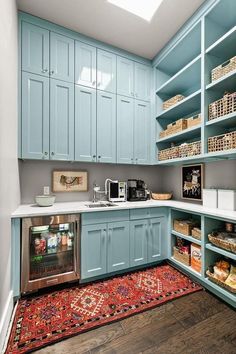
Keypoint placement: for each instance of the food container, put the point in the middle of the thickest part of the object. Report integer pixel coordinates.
(184, 226)
(45, 200)
(196, 257)
(210, 198)
(229, 227)
(181, 257)
(227, 199)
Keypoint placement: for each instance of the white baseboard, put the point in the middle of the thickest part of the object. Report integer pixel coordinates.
(5, 320)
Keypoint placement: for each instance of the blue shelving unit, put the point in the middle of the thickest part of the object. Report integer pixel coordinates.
(184, 67)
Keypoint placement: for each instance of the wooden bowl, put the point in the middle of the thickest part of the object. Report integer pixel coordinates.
(162, 196)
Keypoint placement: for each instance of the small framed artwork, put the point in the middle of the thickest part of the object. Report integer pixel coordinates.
(70, 181)
(192, 182)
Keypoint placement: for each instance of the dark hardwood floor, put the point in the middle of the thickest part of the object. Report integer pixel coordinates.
(198, 323)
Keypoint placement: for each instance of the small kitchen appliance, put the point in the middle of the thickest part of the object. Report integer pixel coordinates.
(137, 190)
(117, 191)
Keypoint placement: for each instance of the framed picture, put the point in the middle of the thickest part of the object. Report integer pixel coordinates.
(192, 182)
(70, 181)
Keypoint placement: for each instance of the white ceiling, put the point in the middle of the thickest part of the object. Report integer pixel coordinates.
(108, 23)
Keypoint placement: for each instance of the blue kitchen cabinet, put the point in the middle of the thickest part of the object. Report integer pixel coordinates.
(118, 246)
(61, 57)
(106, 71)
(142, 76)
(35, 116)
(156, 232)
(106, 127)
(125, 130)
(85, 124)
(125, 77)
(61, 120)
(93, 250)
(35, 49)
(142, 132)
(138, 242)
(85, 64)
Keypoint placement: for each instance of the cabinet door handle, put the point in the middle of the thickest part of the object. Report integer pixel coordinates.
(52, 153)
(52, 72)
(99, 83)
(94, 83)
(104, 235)
(45, 153)
(109, 235)
(44, 70)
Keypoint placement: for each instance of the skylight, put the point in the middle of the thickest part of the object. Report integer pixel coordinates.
(142, 8)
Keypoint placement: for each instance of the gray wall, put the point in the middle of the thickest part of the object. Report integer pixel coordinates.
(9, 176)
(221, 174)
(36, 174)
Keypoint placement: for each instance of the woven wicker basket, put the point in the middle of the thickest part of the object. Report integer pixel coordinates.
(181, 257)
(219, 282)
(228, 246)
(223, 106)
(195, 120)
(172, 101)
(190, 149)
(222, 142)
(223, 69)
(161, 196)
(168, 154)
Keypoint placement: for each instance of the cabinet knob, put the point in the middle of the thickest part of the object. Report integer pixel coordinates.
(44, 70)
(94, 156)
(52, 72)
(52, 153)
(99, 156)
(94, 83)
(46, 153)
(99, 83)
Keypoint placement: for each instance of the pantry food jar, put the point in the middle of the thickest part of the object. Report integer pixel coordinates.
(196, 257)
(227, 199)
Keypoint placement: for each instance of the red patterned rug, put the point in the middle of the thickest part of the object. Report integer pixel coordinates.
(45, 319)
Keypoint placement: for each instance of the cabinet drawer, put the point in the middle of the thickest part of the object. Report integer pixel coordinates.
(104, 216)
(145, 213)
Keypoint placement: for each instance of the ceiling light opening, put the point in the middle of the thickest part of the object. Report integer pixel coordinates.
(141, 8)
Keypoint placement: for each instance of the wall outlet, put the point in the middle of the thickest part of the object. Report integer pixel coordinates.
(46, 190)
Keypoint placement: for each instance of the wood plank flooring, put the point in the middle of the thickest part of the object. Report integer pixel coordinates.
(198, 323)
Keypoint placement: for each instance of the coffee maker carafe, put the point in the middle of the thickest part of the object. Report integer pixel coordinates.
(137, 190)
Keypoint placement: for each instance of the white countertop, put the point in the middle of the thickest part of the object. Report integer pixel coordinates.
(29, 210)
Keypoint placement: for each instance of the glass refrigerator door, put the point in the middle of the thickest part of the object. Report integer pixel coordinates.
(51, 250)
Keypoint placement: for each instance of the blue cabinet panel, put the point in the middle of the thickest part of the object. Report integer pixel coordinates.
(106, 127)
(156, 233)
(125, 130)
(142, 77)
(106, 71)
(93, 250)
(61, 57)
(35, 116)
(142, 132)
(61, 120)
(85, 64)
(125, 77)
(138, 242)
(118, 246)
(85, 124)
(35, 49)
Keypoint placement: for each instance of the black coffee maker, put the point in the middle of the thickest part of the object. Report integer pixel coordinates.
(136, 190)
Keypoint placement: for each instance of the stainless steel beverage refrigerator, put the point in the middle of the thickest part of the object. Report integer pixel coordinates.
(50, 251)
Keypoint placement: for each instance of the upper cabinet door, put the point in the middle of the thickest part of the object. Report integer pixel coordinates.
(106, 127)
(61, 120)
(142, 132)
(35, 116)
(142, 82)
(61, 57)
(106, 71)
(125, 130)
(118, 246)
(85, 64)
(125, 77)
(35, 49)
(85, 124)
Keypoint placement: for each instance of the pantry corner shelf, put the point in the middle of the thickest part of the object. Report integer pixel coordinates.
(182, 160)
(227, 121)
(188, 238)
(187, 268)
(225, 253)
(221, 290)
(226, 82)
(224, 44)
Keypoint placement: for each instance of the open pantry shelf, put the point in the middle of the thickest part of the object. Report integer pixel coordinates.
(182, 160)
(187, 268)
(227, 83)
(187, 134)
(226, 154)
(227, 121)
(220, 289)
(188, 238)
(180, 81)
(224, 46)
(189, 104)
(225, 253)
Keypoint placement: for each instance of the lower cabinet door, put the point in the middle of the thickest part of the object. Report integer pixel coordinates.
(155, 234)
(138, 242)
(118, 246)
(93, 250)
